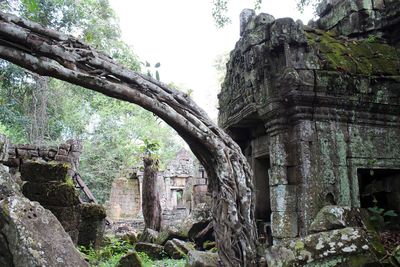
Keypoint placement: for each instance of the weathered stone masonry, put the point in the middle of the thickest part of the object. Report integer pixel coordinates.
(316, 109)
(47, 176)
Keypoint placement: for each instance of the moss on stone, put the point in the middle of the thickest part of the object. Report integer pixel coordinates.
(361, 57)
(93, 211)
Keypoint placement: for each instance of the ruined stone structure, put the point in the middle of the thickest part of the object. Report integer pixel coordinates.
(182, 186)
(47, 175)
(316, 110)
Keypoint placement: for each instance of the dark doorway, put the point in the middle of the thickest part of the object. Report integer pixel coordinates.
(263, 206)
(380, 187)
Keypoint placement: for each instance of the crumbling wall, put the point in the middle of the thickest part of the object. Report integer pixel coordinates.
(47, 175)
(316, 104)
(182, 186)
(125, 198)
(30, 235)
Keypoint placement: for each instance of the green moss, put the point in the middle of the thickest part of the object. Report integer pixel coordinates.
(93, 211)
(366, 57)
(358, 260)
(299, 245)
(69, 181)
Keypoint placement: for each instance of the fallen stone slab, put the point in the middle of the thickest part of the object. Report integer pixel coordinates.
(131, 259)
(32, 236)
(202, 259)
(154, 251)
(349, 246)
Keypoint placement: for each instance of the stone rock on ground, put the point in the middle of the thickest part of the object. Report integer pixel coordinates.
(32, 236)
(336, 217)
(131, 259)
(130, 237)
(201, 214)
(184, 246)
(202, 259)
(348, 246)
(154, 251)
(178, 249)
(201, 232)
(170, 232)
(149, 236)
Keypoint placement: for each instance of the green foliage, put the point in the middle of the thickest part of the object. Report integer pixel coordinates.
(150, 147)
(301, 4)
(108, 255)
(152, 71)
(379, 216)
(147, 262)
(372, 38)
(111, 131)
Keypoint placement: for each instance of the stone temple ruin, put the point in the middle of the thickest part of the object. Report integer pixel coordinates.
(316, 110)
(182, 186)
(49, 175)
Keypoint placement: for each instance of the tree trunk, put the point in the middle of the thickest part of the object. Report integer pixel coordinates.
(151, 206)
(50, 53)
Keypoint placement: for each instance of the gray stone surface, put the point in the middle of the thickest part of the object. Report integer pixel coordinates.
(131, 259)
(202, 259)
(154, 251)
(316, 104)
(173, 251)
(33, 236)
(341, 247)
(336, 217)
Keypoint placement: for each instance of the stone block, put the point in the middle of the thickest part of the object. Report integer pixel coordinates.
(152, 250)
(131, 259)
(278, 175)
(284, 224)
(283, 198)
(35, 233)
(202, 258)
(22, 153)
(336, 217)
(91, 233)
(42, 171)
(52, 154)
(51, 193)
(33, 153)
(66, 147)
(69, 217)
(173, 250)
(76, 145)
(62, 152)
(343, 247)
(278, 154)
(92, 212)
(63, 158)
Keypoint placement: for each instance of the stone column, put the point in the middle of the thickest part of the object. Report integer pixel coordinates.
(282, 191)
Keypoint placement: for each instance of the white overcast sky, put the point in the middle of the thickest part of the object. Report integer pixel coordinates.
(181, 35)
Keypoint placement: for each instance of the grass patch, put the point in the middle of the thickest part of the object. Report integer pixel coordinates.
(110, 254)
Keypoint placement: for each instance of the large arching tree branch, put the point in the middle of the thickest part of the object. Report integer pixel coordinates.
(49, 53)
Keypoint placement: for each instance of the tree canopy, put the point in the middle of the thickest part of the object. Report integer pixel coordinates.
(112, 131)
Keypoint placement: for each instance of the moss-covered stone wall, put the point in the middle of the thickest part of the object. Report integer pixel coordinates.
(321, 101)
